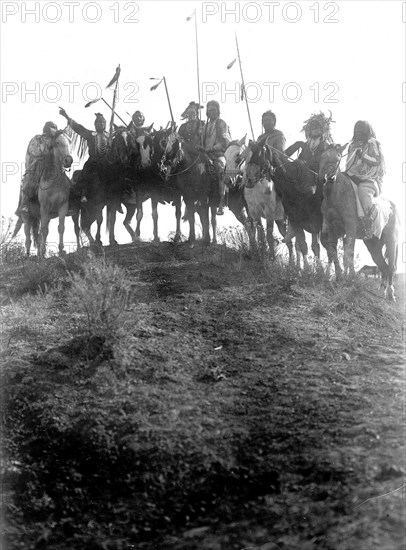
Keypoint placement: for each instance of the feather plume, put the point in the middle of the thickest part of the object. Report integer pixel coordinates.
(115, 77)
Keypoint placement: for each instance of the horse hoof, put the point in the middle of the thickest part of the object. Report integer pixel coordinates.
(390, 294)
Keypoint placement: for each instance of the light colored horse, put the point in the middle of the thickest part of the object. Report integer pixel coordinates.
(340, 219)
(53, 196)
(54, 189)
(259, 196)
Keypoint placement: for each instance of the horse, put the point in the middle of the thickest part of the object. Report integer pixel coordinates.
(233, 181)
(340, 219)
(51, 199)
(195, 179)
(106, 184)
(32, 218)
(149, 183)
(261, 199)
(302, 196)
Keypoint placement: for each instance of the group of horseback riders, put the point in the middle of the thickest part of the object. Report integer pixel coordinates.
(365, 162)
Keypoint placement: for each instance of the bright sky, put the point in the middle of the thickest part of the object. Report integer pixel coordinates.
(297, 58)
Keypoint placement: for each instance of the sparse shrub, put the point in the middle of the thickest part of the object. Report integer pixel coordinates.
(98, 296)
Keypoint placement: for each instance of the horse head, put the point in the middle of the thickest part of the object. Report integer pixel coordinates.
(258, 159)
(122, 146)
(160, 140)
(172, 149)
(145, 148)
(234, 159)
(330, 162)
(60, 149)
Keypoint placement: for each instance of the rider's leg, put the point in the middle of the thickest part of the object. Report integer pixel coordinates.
(220, 169)
(367, 190)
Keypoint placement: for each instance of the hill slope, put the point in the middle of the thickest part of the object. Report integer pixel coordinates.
(239, 405)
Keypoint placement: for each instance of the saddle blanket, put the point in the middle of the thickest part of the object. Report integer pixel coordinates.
(383, 210)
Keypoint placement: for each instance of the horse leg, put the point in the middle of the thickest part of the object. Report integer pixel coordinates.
(99, 224)
(261, 236)
(44, 235)
(298, 253)
(269, 237)
(27, 231)
(75, 219)
(316, 245)
(349, 243)
(391, 255)
(154, 208)
(140, 214)
(204, 218)
(301, 242)
(61, 226)
(178, 214)
(251, 232)
(191, 219)
(331, 247)
(111, 222)
(375, 249)
(128, 217)
(282, 230)
(213, 211)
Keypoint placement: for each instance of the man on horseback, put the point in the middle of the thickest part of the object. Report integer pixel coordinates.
(366, 167)
(36, 152)
(136, 127)
(216, 139)
(97, 143)
(318, 138)
(191, 131)
(274, 140)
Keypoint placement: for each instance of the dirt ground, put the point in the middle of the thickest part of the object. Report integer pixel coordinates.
(303, 384)
(315, 385)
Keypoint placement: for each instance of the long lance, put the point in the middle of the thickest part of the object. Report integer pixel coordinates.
(108, 105)
(243, 86)
(169, 102)
(197, 65)
(112, 111)
(197, 56)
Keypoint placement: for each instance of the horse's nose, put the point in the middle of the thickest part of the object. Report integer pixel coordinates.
(313, 189)
(67, 161)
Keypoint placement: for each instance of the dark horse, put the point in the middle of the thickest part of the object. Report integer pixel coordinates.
(341, 220)
(106, 182)
(195, 180)
(51, 199)
(302, 196)
(147, 182)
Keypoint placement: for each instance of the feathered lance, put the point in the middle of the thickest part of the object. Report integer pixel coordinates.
(243, 93)
(108, 105)
(155, 86)
(197, 57)
(113, 80)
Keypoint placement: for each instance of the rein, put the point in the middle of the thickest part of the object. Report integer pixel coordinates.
(186, 169)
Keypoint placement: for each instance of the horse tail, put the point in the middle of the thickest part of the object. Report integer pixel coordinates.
(17, 227)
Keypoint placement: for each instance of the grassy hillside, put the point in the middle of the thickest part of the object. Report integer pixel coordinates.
(159, 397)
